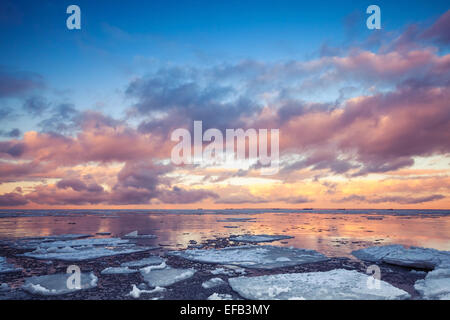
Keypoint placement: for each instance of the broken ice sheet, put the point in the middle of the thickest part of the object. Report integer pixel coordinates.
(220, 296)
(34, 242)
(166, 276)
(436, 285)
(151, 260)
(413, 257)
(338, 284)
(259, 238)
(213, 282)
(118, 270)
(56, 284)
(136, 235)
(136, 292)
(6, 267)
(260, 257)
(82, 253)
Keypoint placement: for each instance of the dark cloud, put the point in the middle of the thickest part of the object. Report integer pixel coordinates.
(35, 105)
(440, 30)
(12, 199)
(17, 83)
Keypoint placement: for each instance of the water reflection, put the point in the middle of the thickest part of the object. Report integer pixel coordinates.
(334, 234)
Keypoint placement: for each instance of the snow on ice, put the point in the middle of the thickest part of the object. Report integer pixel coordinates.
(56, 284)
(260, 257)
(151, 260)
(330, 285)
(413, 257)
(165, 276)
(213, 282)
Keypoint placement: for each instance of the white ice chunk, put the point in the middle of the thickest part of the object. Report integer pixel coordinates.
(56, 284)
(222, 271)
(331, 285)
(260, 257)
(118, 270)
(84, 242)
(4, 287)
(82, 253)
(136, 292)
(213, 282)
(259, 238)
(34, 242)
(165, 277)
(152, 260)
(136, 235)
(6, 267)
(220, 296)
(413, 257)
(436, 285)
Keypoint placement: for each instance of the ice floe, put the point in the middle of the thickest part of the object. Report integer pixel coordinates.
(260, 257)
(259, 238)
(136, 235)
(6, 267)
(213, 282)
(413, 257)
(118, 270)
(4, 287)
(136, 292)
(220, 296)
(330, 285)
(84, 242)
(165, 276)
(151, 260)
(34, 242)
(436, 285)
(56, 284)
(82, 253)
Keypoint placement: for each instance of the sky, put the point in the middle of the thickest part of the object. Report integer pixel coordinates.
(86, 116)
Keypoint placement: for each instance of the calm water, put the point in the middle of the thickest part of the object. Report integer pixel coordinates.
(332, 232)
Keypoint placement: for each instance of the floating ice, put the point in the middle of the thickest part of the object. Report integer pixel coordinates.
(82, 253)
(6, 267)
(166, 276)
(118, 270)
(136, 292)
(56, 284)
(436, 284)
(413, 257)
(160, 266)
(259, 257)
(222, 271)
(85, 242)
(4, 287)
(259, 238)
(213, 282)
(220, 296)
(34, 242)
(152, 260)
(136, 235)
(338, 284)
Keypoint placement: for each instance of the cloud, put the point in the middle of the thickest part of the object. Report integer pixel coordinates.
(393, 199)
(440, 30)
(12, 199)
(18, 83)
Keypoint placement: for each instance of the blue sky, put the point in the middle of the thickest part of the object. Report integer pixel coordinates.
(120, 40)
